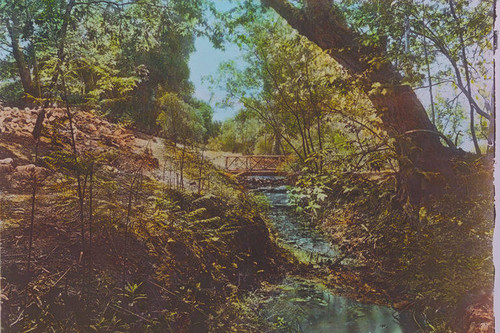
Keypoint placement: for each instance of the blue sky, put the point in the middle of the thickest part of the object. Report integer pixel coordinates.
(204, 62)
(206, 59)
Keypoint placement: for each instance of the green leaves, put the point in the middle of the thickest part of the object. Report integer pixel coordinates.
(292, 89)
(117, 55)
(424, 41)
(179, 120)
(309, 194)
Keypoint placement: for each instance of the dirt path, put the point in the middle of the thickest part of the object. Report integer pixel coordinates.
(156, 147)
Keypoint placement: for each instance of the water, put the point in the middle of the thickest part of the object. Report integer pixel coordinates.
(298, 305)
(307, 243)
(303, 306)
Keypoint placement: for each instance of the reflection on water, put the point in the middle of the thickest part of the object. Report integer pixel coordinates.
(303, 306)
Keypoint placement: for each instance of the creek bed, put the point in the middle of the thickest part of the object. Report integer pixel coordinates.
(298, 305)
(308, 244)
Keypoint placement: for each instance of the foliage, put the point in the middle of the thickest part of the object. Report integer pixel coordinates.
(204, 112)
(446, 45)
(308, 195)
(117, 57)
(179, 121)
(167, 263)
(238, 134)
(299, 98)
(436, 256)
(177, 257)
(11, 92)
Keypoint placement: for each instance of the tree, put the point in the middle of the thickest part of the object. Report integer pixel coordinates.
(205, 113)
(402, 114)
(16, 18)
(178, 120)
(239, 134)
(115, 56)
(446, 43)
(298, 93)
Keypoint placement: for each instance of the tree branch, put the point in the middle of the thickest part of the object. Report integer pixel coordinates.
(119, 5)
(441, 135)
(444, 50)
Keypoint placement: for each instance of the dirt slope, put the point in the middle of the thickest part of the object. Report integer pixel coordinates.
(146, 256)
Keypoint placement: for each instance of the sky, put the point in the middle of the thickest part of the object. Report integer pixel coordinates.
(205, 62)
(206, 59)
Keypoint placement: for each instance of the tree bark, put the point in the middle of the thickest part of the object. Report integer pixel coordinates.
(397, 105)
(277, 144)
(21, 63)
(37, 87)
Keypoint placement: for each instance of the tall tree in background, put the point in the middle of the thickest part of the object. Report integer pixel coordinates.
(15, 16)
(302, 99)
(118, 56)
(402, 113)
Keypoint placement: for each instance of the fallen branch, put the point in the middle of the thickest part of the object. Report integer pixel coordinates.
(61, 277)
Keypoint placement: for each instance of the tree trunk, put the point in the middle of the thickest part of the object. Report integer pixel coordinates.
(21, 63)
(277, 144)
(37, 88)
(401, 112)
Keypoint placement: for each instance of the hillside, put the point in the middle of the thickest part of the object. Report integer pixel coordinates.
(138, 250)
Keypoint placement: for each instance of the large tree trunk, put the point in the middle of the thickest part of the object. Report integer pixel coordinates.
(402, 114)
(21, 63)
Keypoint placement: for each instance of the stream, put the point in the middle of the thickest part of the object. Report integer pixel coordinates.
(299, 305)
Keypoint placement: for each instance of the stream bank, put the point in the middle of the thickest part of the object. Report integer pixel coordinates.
(182, 252)
(142, 253)
(299, 304)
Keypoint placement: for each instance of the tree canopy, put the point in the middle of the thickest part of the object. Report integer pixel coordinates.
(128, 59)
(113, 56)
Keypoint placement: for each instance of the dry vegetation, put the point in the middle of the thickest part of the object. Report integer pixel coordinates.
(152, 256)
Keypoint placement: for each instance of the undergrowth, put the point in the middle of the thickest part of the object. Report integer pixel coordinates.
(435, 259)
(155, 258)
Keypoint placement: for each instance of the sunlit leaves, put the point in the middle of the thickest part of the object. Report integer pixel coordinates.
(179, 120)
(414, 34)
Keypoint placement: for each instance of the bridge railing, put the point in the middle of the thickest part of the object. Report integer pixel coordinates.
(248, 163)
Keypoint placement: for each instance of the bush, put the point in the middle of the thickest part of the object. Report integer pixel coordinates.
(11, 92)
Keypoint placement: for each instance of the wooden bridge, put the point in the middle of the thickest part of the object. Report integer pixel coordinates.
(255, 165)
